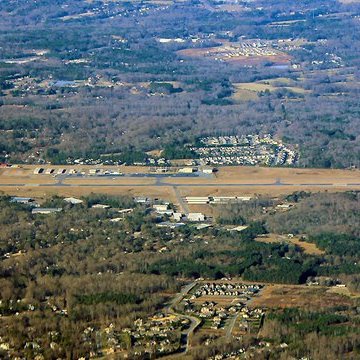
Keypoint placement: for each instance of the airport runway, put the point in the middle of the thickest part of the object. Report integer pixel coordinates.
(163, 183)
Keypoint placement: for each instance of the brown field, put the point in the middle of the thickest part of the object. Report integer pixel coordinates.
(255, 86)
(248, 174)
(282, 296)
(308, 248)
(343, 291)
(155, 153)
(220, 301)
(29, 181)
(208, 210)
(243, 95)
(249, 91)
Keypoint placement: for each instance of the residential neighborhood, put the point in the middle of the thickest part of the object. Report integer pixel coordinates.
(244, 150)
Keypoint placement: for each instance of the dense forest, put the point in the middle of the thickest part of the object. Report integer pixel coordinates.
(103, 73)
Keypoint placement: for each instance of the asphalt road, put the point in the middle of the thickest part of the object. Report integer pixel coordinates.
(231, 325)
(183, 205)
(194, 322)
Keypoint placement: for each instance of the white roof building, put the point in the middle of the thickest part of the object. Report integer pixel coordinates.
(161, 207)
(100, 206)
(178, 216)
(73, 201)
(45, 210)
(196, 217)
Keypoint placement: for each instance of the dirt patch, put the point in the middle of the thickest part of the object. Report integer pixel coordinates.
(283, 296)
(206, 209)
(155, 153)
(220, 301)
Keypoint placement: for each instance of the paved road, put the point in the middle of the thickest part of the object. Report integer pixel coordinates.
(183, 292)
(183, 205)
(230, 326)
(194, 322)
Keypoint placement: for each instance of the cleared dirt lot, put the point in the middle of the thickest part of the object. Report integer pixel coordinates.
(220, 301)
(282, 296)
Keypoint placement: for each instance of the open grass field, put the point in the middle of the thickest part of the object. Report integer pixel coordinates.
(250, 91)
(208, 210)
(248, 174)
(23, 180)
(308, 248)
(311, 298)
(255, 86)
(343, 291)
(243, 94)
